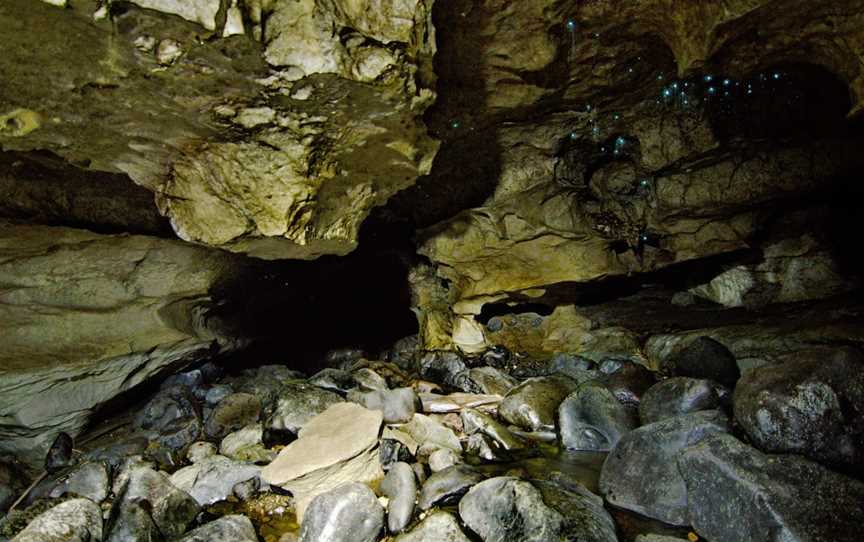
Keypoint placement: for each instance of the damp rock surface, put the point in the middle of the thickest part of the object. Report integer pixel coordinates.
(736, 492)
(349, 512)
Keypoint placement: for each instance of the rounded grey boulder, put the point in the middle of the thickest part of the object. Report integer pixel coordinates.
(348, 513)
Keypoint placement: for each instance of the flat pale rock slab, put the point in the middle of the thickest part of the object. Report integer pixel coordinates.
(337, 446)
(455, 402)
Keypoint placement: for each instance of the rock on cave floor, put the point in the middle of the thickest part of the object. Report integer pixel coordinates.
(409, 445)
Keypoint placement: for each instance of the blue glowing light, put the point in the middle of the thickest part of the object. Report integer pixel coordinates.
(455, 124)
(573, 135)
(643, 237)
(644, 182)
(571, 25)
(616, 116)
(660, 77)
(727, 82)
(776, 76)
(667, 93)
(709, 78)
(588, 107)
(712, 90)
(675, 86)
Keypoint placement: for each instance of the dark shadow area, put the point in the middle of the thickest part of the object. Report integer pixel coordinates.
(43, 188)
(782, 102)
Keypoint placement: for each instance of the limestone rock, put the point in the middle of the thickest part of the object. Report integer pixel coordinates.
(302, 178)
(79, 304)
(738, 493)
(69, 521)
(339, 445)
(796, 269)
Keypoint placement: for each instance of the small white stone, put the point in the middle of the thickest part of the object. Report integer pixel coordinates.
(145, 43)
(168, 51)
(59, 3)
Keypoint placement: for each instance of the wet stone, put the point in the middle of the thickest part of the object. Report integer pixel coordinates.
(90, 480)
(443, 458)
(491, 381)
(629, 382)
(232, 413)
(706, 358)
(59, 455)
(70, 521)
(474, 421)
(811, 404)
(736, 492)
(348, 513)
(448, 486)
(592, 419)
(641, 474)
(400, 487)
(398, 406)
(676, 396)
(534, 404)
(507, 509)
(234, 528)
(335, 380)
(439, 526)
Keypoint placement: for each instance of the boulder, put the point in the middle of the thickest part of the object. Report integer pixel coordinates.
(439, 526)
(397, 406)
(474, 421)
(534, 403)
(736, 492)
(507, 509)
(400, 487)
(171, 509)
(447, 369)
(213, 479)
(339, 445)
(233, 528)
(585, 518)
(430, 435)
(91, 480)
(491, 381)
(346, 513)
(641, 473)
(447, 486)
(676, 396)
(811, 404)
(627, 380)
(297, 404)
(70, 521)
(592, 419)
(232, 413)
(705, 358)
